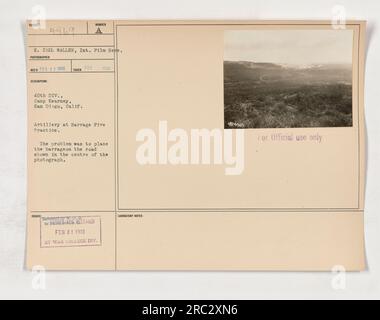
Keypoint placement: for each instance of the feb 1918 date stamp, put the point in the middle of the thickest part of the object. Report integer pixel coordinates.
(70, 231)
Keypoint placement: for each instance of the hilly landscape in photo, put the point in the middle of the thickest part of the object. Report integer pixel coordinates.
(267, 95)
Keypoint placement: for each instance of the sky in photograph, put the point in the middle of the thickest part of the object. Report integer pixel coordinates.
(300, 47)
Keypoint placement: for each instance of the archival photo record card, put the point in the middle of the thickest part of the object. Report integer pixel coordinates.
(196, 145)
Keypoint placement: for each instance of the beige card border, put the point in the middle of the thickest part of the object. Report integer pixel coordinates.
(345, 225)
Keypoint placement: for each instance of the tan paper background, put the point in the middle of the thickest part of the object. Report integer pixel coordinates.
(296, 207)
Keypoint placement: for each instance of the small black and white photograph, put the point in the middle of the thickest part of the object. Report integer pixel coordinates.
(288, 78)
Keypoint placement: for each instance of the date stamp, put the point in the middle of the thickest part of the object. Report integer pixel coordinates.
(70, 231)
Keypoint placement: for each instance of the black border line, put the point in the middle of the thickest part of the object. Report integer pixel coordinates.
(71, 72)
(270, 24)
(359, 115)
(49, 59)
(70, 34)
(116, 122)
(203, 210)
(107, 46)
